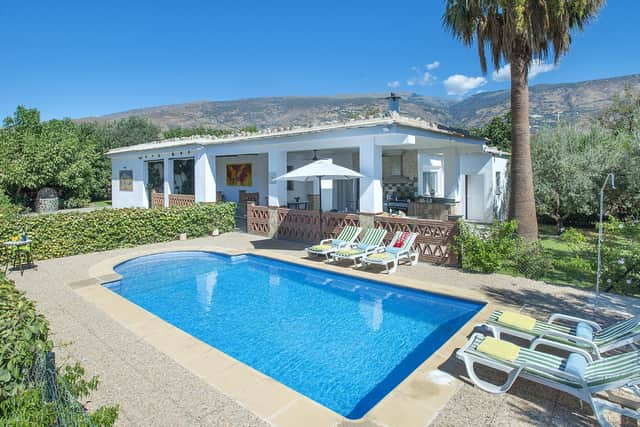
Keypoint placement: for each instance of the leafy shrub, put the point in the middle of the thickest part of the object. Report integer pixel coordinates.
(575, 239)
(31, 392)
(486, 251)
(76, 202)
(621, 256)
(59, 235)
(8, 211)
(531, 260)
(23, 334)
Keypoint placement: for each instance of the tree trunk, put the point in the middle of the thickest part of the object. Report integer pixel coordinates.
(522, 205)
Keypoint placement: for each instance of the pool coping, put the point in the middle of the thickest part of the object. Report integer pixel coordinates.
(415, 401)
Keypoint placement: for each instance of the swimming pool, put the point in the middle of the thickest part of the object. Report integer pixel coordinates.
(342, 341)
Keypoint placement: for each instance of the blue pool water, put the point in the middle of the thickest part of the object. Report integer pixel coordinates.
(343, 342)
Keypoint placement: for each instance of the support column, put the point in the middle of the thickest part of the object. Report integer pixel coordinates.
(277, 167)
(451, 166)
(205, 177)
(371, 185)
(168, 175)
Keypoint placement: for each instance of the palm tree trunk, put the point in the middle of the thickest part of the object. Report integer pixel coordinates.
(522, 205)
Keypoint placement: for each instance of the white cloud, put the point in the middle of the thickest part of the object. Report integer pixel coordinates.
(539, 67)
(393, 84)
(503, 74)
(536, 67)
(457, 84)
(433, 65)
(422, 78)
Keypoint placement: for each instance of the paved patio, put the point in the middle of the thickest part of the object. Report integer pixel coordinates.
(153, 389)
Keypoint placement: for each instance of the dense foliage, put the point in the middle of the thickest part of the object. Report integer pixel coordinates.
(497, 131)
(621, 257)
(69, 156)
(499, 249)
(571, 163)
(62, 154)
(66, 234)
(27, 382)
(486, 251)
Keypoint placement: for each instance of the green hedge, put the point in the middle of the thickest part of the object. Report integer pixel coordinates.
(59, 235)
(23, 334)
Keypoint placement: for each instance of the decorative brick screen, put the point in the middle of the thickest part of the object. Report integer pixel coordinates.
(435, 238)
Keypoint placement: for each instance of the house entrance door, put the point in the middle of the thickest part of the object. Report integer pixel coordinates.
(155, 178)
(474, 197)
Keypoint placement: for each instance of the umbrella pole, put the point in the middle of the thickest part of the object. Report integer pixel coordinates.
(320, 203)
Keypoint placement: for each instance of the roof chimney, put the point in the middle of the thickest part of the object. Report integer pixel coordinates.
(394, 103)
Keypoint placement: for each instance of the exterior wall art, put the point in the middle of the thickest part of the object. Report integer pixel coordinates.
(240, 175)
(126, 180)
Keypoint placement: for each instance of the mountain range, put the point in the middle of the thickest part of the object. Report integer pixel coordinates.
(575, 102)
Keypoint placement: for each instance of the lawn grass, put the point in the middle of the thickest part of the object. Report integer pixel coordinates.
(570, 267)
(101, 203)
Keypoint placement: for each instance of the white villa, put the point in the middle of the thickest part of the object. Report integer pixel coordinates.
(412, 165)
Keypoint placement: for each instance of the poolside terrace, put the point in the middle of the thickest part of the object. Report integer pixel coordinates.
(154, 388)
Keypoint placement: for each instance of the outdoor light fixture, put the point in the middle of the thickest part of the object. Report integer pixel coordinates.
(613, 187)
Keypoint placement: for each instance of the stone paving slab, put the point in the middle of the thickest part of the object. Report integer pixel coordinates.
(153, 389)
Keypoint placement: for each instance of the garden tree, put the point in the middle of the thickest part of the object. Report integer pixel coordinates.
(623, 115)
(131, 131)
(569, 165)
(497, 131)
(623, 119)
(519, 31)
(35, 155)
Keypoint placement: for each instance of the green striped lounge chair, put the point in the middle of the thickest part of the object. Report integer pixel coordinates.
(392, 255)
(347, 235)
(582, 333)
(370, 243)
(578, 374)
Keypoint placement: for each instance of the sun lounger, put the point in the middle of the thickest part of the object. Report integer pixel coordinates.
(370, 243)
(578, 374)
(345, 238)
(583, 333)
(400, 249)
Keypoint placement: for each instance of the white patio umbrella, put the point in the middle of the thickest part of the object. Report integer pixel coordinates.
(320, 169)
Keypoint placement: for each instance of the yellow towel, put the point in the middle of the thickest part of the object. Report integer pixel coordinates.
(349, 252)
(501, 349)
(320, 248)
(519, 321)
(380, 256)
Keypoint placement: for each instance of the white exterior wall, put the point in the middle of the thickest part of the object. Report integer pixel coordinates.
(371, 186)
(129, 199)
(277, 167)
(205, 177)
(482, 167)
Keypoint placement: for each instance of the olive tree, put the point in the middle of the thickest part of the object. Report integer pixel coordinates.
(569, 165)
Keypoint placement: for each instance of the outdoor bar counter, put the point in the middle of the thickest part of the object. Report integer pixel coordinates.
(431, 208)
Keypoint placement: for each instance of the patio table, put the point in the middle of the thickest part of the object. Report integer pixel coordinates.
(19, 248)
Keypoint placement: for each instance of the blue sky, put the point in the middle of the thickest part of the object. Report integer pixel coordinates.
(83, 58)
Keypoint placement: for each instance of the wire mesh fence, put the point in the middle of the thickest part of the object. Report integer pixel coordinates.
(52, 403)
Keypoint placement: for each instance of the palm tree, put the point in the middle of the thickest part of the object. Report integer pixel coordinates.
(518, 32)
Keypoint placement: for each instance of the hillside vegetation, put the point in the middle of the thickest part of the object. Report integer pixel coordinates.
(576, 102)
